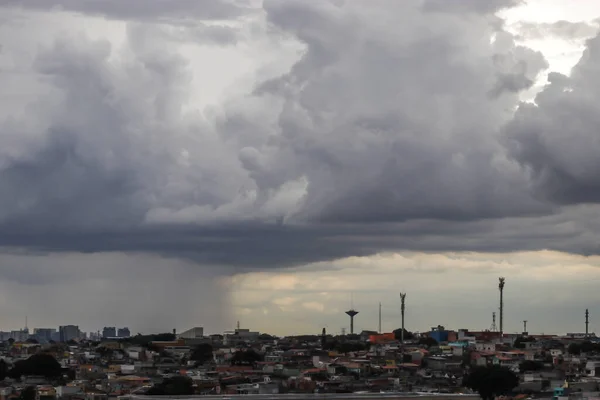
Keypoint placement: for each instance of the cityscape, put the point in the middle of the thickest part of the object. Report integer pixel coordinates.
(440, 363)
(299, 199)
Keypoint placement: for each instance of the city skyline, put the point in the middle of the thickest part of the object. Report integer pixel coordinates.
(259, 161)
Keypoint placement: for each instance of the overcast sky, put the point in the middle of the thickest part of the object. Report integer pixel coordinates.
(176, 163)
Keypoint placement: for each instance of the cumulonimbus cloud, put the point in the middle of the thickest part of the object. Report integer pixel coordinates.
(388, 132)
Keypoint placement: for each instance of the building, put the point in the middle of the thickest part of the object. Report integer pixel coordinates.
(123, 332)
(194, 333)
(109, 332)
(19, 336)
(44, 333)
(68, 332)
(240, 336)
(439, 333)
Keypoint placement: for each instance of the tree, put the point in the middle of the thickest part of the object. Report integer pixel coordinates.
(178, 385)
(530, 365)
(265, 337)
(574, 348)
(41, 364)
(588, 347)
(491, 381)
(428, 341)
(407, 335)
(521, 340)
(202, 353)
(28, 393)
(3, 370)
(246, 357)
(349, 347)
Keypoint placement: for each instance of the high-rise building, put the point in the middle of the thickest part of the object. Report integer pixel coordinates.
(123, 332)
(44, 333)
(109, 332)
(68, 332)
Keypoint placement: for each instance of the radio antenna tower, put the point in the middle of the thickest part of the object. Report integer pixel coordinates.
(493, 328)
(587, 322)
(501, 288)
(379, 317)
(402, 308)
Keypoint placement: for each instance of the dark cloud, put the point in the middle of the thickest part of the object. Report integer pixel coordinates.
(555, 140)
(477, 6)
(167, 10)
(386, 134)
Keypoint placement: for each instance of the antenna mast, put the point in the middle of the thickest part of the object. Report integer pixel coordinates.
(379, 317)
(402, 308)
(501, 288)
(493, 328)
(587, 322)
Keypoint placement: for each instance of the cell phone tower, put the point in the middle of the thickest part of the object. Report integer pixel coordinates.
(501, 288)
(402, 308)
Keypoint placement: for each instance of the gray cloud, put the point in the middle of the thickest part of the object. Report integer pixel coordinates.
(555, 140)
(461, 6)
(96, 290)
(567, 30)
(140, 9)
(382, 136)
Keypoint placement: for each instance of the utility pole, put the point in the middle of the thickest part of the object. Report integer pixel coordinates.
(524, 326)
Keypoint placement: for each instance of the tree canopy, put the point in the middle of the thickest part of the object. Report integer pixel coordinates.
(349, 347)
(3, 370)
(246, 357)
(428, 341)
(178, 385)
(530, 365)
(491, 381)
(398, 334)
(202, 353)
(521, 340)
(41, 364)
(583, 347)
(28, 393)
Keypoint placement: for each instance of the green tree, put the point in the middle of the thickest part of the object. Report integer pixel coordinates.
(202, 353)
(530, 365)
(521, 340)
(41, 364)
(428, 341)
(3, 370)
(491, 381)
(398, 334)
(174, 386)
(574, 348)
(28, 393)
(588, 347)
(349, 347)
(246, 357)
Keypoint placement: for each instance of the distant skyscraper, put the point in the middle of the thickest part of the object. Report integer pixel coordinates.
(44, 333)
(109, 332)
(68, 332)
(123, 332)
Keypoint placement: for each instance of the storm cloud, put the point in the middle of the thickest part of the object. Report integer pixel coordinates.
(393, 129)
